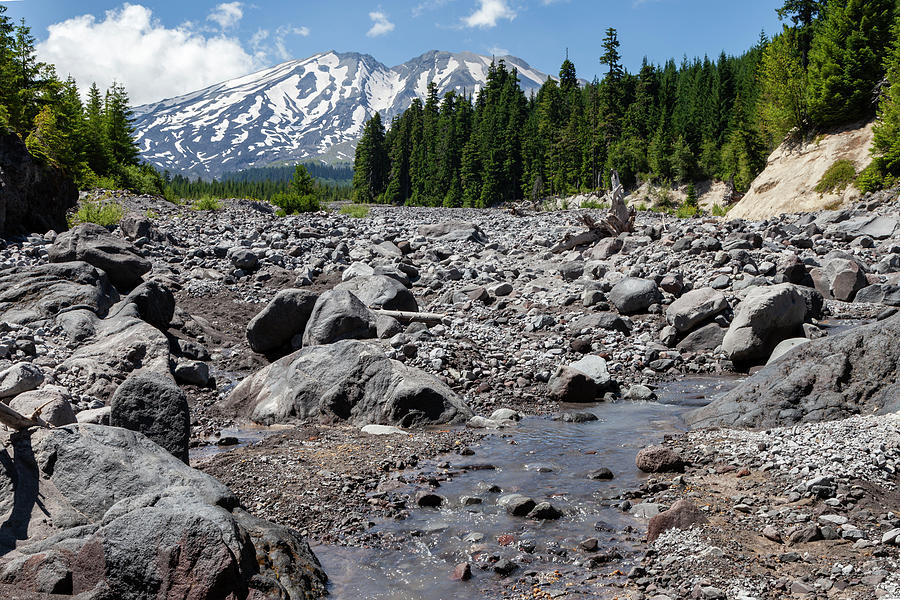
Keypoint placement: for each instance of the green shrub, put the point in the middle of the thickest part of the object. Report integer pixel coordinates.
(594, 204)
(837, 177)
(875, 177)
(100, 212)
(356, 211)
(718, 211)
(206, 203)
(292, 203)
(641, 207)
(686, 211)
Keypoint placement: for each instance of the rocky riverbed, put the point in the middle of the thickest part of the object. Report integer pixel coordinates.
(298, 343)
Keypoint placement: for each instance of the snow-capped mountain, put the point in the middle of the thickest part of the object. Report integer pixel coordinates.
(314, 107)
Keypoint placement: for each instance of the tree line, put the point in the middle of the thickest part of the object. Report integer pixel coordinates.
(676, 123)
(91, 141)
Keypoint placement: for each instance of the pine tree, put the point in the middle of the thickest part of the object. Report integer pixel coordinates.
(119, 122)
(886, 143)
(802, 13)
(845, 62)
(46, 142)
(97, 151)
(370, 167)
(783, 81)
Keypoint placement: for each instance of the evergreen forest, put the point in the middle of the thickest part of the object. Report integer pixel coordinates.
(834, 63)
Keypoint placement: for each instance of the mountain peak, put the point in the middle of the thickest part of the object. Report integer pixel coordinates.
(300, 109)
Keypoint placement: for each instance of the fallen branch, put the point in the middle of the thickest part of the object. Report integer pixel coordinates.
(406, 316)
(14, 420)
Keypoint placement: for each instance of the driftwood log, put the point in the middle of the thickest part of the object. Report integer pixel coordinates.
(405, 316)
(14, 420)
(617, 220)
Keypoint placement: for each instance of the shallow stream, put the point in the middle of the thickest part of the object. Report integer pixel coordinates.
(542, 458)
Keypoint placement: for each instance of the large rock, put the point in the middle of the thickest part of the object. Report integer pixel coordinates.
(20, 377)
(123, 343)
(283, 318)
(380, 291)
(633, 295)
(346, 381)
(95, 245)
(34, 197)
(840, 279)
(453, 231)
(876, 227)
(154, 405)
(879, 293)
(581, 381)
(103, 512)
(658, 459)
(338, 315)
(766, 316)
(695, 307)
(856, 372)
(684, 514)
(42, 293)
(52, 402)
(154, 302)
(705, 339)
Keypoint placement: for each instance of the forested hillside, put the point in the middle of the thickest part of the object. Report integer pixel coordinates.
(91, 141)
(679, 122)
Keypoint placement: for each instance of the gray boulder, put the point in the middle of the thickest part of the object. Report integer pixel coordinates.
(453, 231)
(283, 318)
(633, 295)
(21, 377)
(705, 339)
(856, 372)
(840, 279)
(42, 293)
(338, 315)
(103, 512)
(53, 402)
(96, 246)
(346, 381)
(123, 343)
(380, 291)
(155, 406)
(695, 307)
(765, 317)
(879, 293)
(154, 302)
(602, 321)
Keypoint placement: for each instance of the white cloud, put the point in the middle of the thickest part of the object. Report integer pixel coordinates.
(488, 13)
(428, 5)
(380, 24)
(227, 14)
(153, 61)
(498, 51)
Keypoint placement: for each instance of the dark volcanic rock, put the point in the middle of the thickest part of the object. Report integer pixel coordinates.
(346, 381)
(33, 197)
(633, 295)
(27, 296)
(283, 318)
(96, 246)
(338, 315)
(764, 318)
(152, 404)
(155, 303)
(105, 512)
(380, 291)
(857, 372)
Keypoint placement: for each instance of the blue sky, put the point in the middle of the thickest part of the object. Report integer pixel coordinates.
(160, 49)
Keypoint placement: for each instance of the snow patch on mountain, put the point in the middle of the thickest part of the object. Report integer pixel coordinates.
(301, 109)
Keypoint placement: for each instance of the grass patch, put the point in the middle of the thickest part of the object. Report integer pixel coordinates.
(594, 204)
(101, 212)
(206, 203)
(838, 176)
(355, 211)
(718, 211)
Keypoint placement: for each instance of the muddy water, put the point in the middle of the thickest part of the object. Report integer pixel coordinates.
(542, 458)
